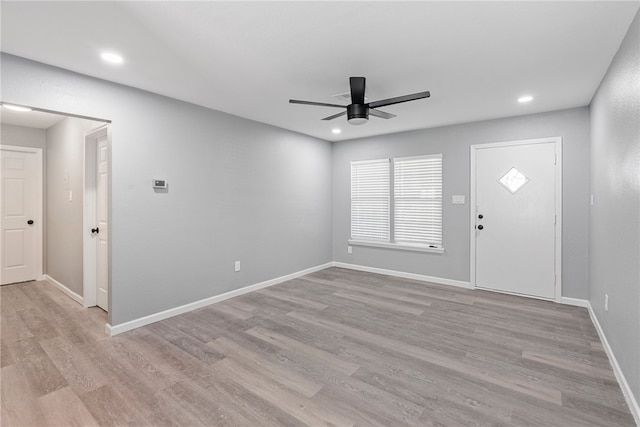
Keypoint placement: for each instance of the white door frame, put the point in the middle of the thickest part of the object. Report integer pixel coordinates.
(558, 200)
(90, 251)
(39, 218)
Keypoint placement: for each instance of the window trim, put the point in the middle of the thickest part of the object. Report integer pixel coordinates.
(398, 246)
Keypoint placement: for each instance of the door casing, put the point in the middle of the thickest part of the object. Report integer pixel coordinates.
(557, 141)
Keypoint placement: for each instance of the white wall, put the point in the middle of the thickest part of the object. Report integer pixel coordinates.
(615, 215)
(454, 142)
(238, 190)
(22, 136)
(64, 174)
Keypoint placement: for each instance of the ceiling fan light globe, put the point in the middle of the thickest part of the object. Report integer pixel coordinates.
(358, 121)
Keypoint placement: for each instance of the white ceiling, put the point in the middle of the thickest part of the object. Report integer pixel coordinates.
(30, 119)
(250, 58)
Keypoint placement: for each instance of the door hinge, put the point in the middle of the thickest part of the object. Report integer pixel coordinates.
(555, 220)
(555, 159)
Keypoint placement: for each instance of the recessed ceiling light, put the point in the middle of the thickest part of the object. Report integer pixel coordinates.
(526, 98)
(336, 131)
(16, 107)
(111, 57)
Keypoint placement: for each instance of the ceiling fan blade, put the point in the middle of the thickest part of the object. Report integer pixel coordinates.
(335, 116)
(381, 114)
(357, 85)
(399, 99)
(320, 104)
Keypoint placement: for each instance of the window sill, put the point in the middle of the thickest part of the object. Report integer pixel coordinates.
(397, 246)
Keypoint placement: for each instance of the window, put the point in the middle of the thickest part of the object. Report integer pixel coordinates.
(397, 203)
(370, 200)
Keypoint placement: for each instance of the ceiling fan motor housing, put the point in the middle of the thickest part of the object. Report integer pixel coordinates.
(357, 114)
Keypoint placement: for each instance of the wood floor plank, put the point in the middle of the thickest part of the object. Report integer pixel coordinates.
(37, 367)
(64, 408)
(569, 365)
(13, 327)
(375, 302)
(109, 408)
(79, 371)
(336, 347)
(296, 300)
(6, 359)
(40, 326)
(310, 353)
(286, 377)
(298, 406)
(18, 399)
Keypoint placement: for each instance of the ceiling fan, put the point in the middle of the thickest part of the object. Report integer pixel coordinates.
(358, 111)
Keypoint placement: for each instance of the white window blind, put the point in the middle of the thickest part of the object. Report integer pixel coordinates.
(370, 200)
(417, 197)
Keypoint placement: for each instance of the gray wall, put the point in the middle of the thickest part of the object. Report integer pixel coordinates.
(22, 136)
(454, 142)
(615, 215)
(64, 173)
(228, 177)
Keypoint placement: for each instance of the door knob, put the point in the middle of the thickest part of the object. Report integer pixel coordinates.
(480, 227)
(95, 230)
(480, 216)
(30, 222)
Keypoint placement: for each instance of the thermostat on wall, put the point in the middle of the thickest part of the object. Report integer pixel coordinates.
(160, 183)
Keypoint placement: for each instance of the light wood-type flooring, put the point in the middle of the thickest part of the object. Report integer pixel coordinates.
(336, 347)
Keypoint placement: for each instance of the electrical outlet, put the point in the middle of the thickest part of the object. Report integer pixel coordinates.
(237, 266)
(349, 250)
(606, 302)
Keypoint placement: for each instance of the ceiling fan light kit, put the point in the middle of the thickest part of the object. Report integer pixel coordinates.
(357, 114)
(358, 111)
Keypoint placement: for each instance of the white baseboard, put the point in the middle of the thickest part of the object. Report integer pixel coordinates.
(574, 301)
(624, 385)
(155, 317)
(404, 275)
(74, 296)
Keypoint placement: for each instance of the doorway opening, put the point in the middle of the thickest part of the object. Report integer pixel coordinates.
(61, 139)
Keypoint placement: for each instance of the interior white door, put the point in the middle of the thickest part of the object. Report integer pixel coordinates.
(19, 213)
(515, 219)
(102, 212)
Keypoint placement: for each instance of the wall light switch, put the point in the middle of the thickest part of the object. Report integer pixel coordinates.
(349, 249)
(70, 196)
(457, 199)
(237, 266)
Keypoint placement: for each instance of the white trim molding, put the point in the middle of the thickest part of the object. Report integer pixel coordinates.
(155, 317)
(634, 407)
(68, 292)
(397, 246)
(574, 301)
(404, 275)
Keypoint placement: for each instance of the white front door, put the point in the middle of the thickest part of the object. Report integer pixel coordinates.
(20, 214)
(516, 228)
(102, 212)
